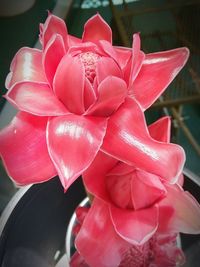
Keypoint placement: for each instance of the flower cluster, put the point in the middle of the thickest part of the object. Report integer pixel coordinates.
(81, 109)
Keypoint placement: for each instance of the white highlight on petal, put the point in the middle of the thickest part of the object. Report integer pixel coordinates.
(131, 140)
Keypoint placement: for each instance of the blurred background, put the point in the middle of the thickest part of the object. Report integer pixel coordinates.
(163, 25)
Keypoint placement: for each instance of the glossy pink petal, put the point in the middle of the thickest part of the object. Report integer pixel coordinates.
(54, 25)
(73, 142)
(89, 94)
(137, 58)
(128, 140)
(35, 98)
(107, 67)
(112, 92)
(147, 189)
(136, 227)
(157, 72)
(51, 59)
(24, 151)
(95, 176)
(187, 210)
(123, 55)
(69, 83)
(96, 29)
(97, 241)
(119, 189)
(26, 66)
(161, 129)
(121, 169)
(108, 49)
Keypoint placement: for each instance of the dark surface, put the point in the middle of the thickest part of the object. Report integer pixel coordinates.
(37, 227)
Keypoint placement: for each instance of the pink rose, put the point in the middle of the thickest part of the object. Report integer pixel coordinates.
(131, 206)
(79, 96)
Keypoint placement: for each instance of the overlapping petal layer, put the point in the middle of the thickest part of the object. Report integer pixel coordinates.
(68, 87)
(157, 72)
(96, 29)
(28, 160)
(26, 66)
(97, 241)
(35, 98)
(73, 142)
(186, 209)
(52, 59)
(53, 25)
(136, 227)
(132, 144)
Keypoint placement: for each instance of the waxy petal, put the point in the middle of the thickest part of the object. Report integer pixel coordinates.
(112, 92)
(35, 98)
(157, 72)
(128, 140)
(123, 55)
(147, 189)
(26, 66)
(73, 142)
(89, 94)
(137, 59)
(107, 67)
(186, 218)
(160, 130)
(69, 84)
(96, 29)
(119, 189)
(136, 227)
(51, 59)
(95, 176)
(121, 169)
(108, 49)
(24, 151)
(97, 241)
(53, 25)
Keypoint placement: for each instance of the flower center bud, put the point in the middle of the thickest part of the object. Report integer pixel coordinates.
(89, 60)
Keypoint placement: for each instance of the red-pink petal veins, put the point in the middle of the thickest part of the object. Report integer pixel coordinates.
(96, 29)
(157, 72)
(23, 150)
(52, 56)
(68, 84)
(54, 25)
(73, 142)
(26, 66)
(35, 98)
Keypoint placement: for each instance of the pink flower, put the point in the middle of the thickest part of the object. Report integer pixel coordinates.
(78, 96)
(130, 206)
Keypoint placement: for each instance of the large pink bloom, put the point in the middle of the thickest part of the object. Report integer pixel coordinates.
(130, 206)
(77, 96)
